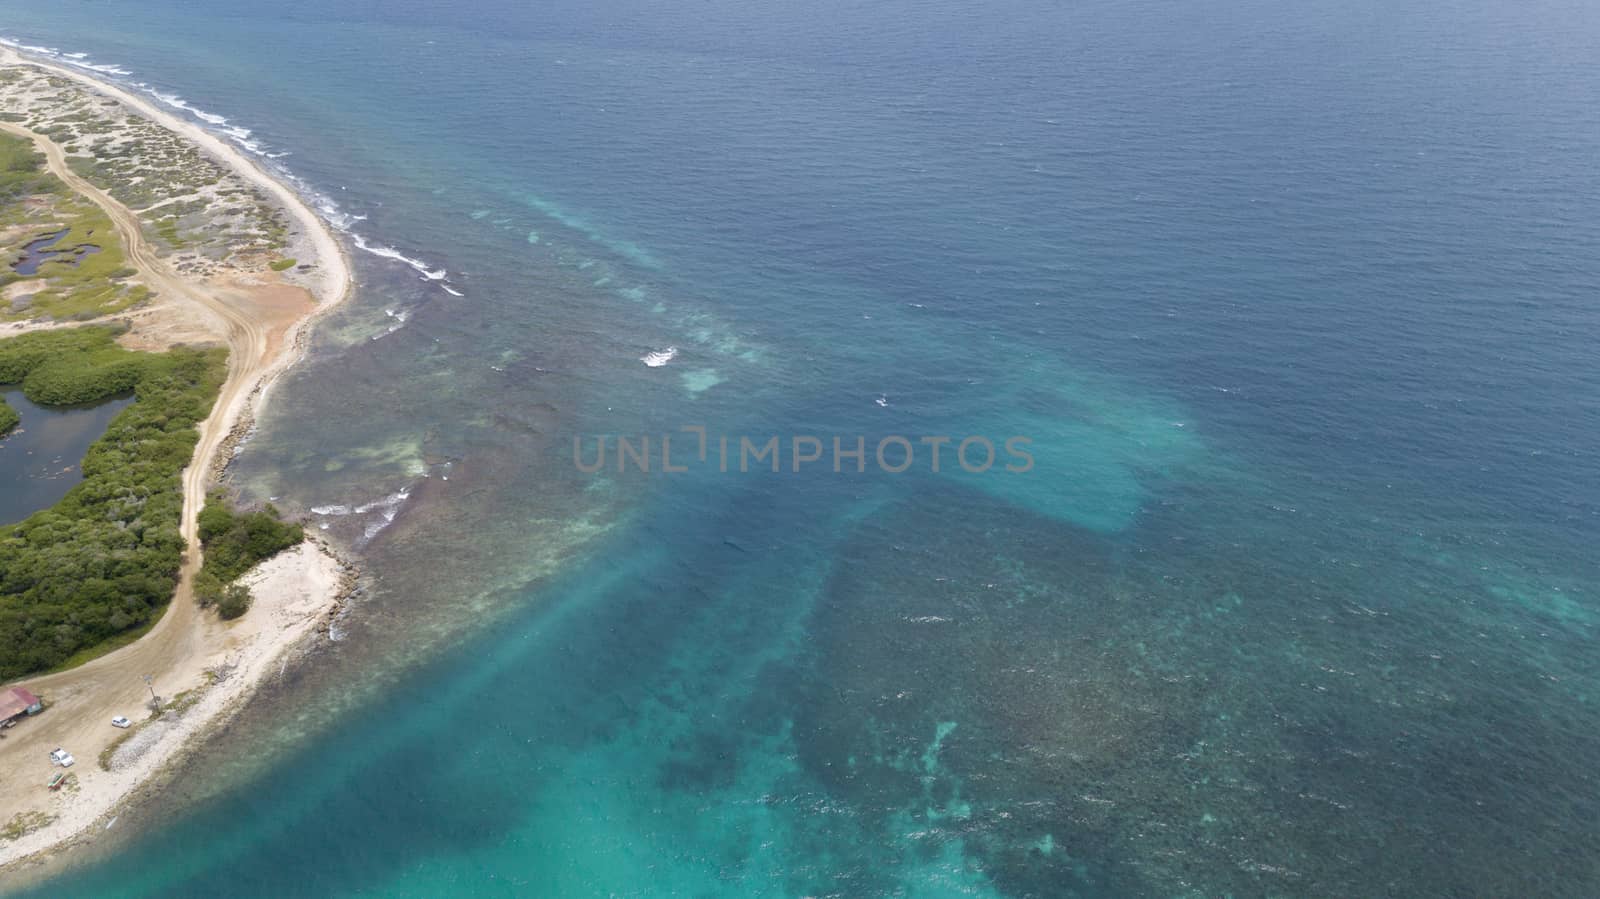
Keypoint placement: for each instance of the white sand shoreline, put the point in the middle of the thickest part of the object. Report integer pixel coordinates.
(334, 261)
(296, 592)
(293, 591)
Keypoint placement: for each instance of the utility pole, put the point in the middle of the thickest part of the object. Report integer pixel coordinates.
(155, 701)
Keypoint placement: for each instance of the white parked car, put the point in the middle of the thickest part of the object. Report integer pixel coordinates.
(120, 721)
(62, 757)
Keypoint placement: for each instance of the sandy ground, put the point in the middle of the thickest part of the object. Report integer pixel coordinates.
(263, 319)
(292, 591)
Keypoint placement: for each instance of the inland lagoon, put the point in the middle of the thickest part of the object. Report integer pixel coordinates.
(40, 460)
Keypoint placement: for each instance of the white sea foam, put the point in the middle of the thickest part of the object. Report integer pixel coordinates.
(452, 291)
(330, 210)
(249, 435)
(336, 630)
(399, 317)
(73, 59)
(392, 253)
(255, 148)
(387, 508)
(376, 528)
(81, 61)
(658, 358)
(101, 68)
(390, 503)
(238, 134)
(177, 102)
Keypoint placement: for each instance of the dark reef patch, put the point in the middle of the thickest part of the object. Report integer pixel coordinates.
(1256, 719)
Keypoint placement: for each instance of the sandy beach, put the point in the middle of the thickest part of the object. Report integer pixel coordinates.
(203, 668)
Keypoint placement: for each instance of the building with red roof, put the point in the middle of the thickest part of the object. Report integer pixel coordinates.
(16, 702)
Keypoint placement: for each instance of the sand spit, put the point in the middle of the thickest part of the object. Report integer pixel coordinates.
(227, 292)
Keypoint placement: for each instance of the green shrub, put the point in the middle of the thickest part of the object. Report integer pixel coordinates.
(207, 589)
(283, 265)
(235, 542)
(235, 601)
(22, 171)
(8, 418)
(84, 379)
(104, 560)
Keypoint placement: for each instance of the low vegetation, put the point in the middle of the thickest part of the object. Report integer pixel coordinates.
(230, 601)
(86, 273)
(283, 265)
(234, 542)
(187, 201)
(104, 560)
(24, 823)
(8, 418)
(234, 601)
(22, 171)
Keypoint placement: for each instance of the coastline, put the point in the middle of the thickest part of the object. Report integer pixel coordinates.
(293, 591)
(337, 277)
(219, 665)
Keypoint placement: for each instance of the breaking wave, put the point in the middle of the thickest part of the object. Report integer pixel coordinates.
(392, 253)
(658, 358)
(337, 218)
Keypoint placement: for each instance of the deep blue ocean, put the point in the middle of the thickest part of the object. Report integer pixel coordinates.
(1295, 303)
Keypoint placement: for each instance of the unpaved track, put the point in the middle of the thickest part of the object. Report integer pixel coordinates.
(85, 698)
(262, 318)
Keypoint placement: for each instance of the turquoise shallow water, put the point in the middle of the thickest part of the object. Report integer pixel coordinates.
(1299, 598)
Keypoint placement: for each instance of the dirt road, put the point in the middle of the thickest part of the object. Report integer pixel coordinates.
(84, 699)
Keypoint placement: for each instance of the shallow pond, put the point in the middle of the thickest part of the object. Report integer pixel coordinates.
(38, 252)
(40, 460)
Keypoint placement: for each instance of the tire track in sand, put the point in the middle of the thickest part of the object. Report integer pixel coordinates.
(85, 697)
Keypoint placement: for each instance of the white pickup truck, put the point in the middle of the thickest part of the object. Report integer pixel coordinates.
(59, 756)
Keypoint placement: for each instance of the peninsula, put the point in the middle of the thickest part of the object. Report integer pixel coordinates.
(198, 248)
